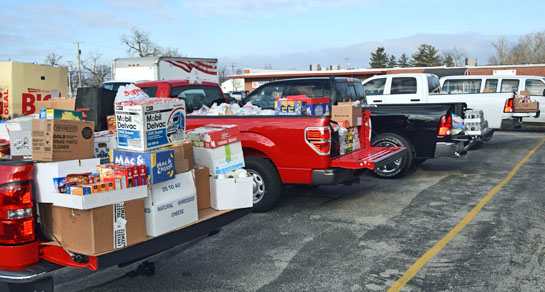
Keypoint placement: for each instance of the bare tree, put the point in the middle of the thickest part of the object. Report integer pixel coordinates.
(222, 74)
(99, 72)
(502, 47)
(139, 43)
(529, 49)
(52, 59)
(170, 52)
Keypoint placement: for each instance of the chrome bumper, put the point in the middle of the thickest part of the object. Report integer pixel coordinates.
(449, 149)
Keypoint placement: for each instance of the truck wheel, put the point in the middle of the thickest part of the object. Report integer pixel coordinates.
(398, 166)
(267, 183)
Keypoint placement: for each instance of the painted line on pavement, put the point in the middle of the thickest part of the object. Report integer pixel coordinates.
(417, 266)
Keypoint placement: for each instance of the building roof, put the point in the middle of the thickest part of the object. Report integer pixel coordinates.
(310, 73)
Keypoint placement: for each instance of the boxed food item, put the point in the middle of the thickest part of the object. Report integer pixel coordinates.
(150, 123)
(317, 106)
(104, 142)
(290, 108)
(99, 196)
(159, 163)
(58, 140)
(183, 156)
(231, 192)
(347, 111)
(110, 122)
(171, 204)
(45, 172)
(202, 184)
(212, 136)
(524, 104)
(221, 159)
(61, 114)
(103, 229)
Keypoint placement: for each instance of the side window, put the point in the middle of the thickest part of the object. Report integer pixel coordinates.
(374, 87)
(535, 86)
(490, 85)
(359, 92)
(310, 88)
(403, 85)
(346, 92)
(462, 86)
(509, 85)
(195, 96)
(433, 84)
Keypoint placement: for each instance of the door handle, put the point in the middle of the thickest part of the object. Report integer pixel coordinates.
(378, 100)
(415, 99)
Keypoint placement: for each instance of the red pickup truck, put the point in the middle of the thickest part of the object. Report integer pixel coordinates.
(281, 149)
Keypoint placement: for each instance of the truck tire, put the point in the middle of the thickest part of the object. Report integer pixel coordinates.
(398, 167)
(266, 182)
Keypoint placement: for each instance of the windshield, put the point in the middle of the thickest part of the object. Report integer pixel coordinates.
(150, 91)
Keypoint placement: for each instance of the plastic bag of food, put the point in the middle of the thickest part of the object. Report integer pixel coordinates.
(457, 125)
(130, 92)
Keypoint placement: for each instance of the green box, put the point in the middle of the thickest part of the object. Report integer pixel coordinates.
(60, 114)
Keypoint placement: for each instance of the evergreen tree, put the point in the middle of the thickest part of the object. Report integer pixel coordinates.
(392, 62)
(426, 56)
(448, 60)
(379, 59)
(403, 61)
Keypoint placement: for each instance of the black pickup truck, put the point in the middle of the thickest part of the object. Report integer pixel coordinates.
(424, 129)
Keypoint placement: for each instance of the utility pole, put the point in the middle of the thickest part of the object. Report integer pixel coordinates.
(79, 64)
(69, 78)
(233, 81)
(347, 63)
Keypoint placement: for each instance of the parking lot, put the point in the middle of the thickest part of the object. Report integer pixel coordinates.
(364, 237)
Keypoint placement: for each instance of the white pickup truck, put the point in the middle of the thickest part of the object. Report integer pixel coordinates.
(425, 88)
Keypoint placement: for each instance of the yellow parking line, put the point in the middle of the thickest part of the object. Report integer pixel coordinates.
(411, 272)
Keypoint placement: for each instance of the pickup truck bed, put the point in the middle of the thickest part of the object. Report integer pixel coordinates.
(39, 277)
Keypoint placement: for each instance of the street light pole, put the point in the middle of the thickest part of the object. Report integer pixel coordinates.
(79, 64)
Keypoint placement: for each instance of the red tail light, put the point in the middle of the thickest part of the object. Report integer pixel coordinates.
(319, 138)
(445, 126)
(16, 215)
(508, 108)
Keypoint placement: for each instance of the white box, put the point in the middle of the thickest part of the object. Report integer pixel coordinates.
(44, 172)
(172, 204)
(231, 193)
(148, 126)
(20, 144)
(221, 159)
(103, 144)
(101, 199)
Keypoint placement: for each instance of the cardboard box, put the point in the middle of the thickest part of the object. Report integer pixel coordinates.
(45, 172)
(171, 204)
(345, 111)
(24, 84)
(159, 163)
(100, 230)
(317, 106)
(51, 113)
(231, 193)
(221, 159)
(99, 199)
(183, 156)
(146, 126)
(20, 145)
(58, 140)
(56, 103)
(525, 107)
(50, 216)
(212, 136)
(103, 144)
(290, 108)
(202, 184)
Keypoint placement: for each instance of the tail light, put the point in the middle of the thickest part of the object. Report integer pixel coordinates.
(508, 108)
(319, 139)
(445, 126)
(16, 215)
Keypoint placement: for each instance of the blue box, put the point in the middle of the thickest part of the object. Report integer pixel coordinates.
(289, 107)
(159, 163)
(318, 109)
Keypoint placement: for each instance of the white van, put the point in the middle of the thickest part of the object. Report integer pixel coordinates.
(535, 85)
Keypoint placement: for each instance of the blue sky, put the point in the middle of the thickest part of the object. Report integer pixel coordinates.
(252, 33)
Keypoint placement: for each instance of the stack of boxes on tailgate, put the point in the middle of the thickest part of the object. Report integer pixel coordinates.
(348, 115)
(475, 123)
(218, 148)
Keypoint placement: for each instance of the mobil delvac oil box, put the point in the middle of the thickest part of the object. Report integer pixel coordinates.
(150, 123)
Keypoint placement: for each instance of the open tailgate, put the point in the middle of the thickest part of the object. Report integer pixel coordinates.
(371, 157)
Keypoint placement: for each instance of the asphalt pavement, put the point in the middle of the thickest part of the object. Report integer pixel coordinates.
(365, 236)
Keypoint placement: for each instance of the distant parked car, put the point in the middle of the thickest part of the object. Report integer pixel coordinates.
(238, 95)
(114, 85)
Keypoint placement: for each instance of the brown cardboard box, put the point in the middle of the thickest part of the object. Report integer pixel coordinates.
(344, 111)
(202, 183)
(183, 156)
(91, 232)
(50, 216)
(525, 107)
(58, 140)
(56, 103)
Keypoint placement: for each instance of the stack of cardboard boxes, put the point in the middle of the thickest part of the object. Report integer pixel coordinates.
(301, 105)
(218, 148)
(348, 115)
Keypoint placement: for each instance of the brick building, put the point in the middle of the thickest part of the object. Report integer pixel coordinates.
(255, 78)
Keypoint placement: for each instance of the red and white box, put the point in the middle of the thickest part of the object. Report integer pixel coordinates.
(213, 136)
